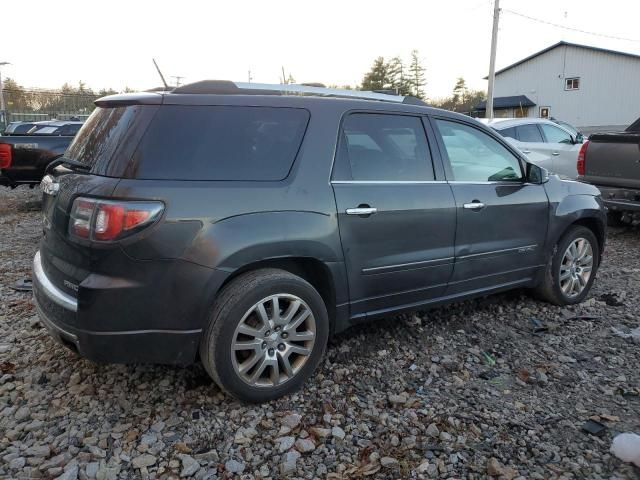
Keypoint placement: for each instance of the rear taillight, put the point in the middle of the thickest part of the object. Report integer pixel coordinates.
(5, 155)
(582, 158)
(108, 220)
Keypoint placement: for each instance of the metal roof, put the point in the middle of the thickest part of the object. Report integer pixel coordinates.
(507, 102)
(567, 44)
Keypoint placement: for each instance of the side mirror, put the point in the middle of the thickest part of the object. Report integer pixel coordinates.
(537, 174)
(579, 139)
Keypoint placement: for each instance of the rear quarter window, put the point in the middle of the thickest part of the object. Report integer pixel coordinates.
(219, 143)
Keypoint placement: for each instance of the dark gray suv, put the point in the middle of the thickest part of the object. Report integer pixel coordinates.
(243, 224)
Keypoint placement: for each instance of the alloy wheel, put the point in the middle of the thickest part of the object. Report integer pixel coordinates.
(273, 341)
(576, 266)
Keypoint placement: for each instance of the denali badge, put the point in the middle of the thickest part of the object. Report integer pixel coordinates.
(70, 285)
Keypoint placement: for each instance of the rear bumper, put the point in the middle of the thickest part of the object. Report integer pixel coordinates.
(620, 199)
(57, 309)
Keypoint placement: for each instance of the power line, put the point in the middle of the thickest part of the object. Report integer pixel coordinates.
(545, 22)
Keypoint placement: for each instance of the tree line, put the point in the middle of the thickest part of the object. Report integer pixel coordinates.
(410, 79)
(68, 98)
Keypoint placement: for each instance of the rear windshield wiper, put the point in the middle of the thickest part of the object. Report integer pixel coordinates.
(67, 162)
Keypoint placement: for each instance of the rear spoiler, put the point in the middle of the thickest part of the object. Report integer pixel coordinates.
(124, 99)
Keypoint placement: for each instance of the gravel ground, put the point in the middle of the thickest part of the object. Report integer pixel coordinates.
(466, 391)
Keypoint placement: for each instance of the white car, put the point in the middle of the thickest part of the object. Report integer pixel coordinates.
(544, 142)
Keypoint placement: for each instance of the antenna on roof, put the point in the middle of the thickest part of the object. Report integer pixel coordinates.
(160, 73)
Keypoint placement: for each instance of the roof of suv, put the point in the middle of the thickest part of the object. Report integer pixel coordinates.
(296, 96)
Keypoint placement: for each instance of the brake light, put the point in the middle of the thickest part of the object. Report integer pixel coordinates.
(582, 158)
(5, 155)
(107, 220)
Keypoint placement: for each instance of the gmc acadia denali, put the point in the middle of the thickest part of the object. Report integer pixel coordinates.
(242, 224)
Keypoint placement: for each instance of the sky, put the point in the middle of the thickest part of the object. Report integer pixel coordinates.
(110, 43)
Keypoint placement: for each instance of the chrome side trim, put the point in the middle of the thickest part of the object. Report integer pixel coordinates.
(523, 249)
(49, 289)
(387, 182)
(407, 266)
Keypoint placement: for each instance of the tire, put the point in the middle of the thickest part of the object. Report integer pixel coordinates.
(551, 287)
(242, 307)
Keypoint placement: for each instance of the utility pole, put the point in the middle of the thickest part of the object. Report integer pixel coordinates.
(3, 120)
(178, 78)
(249, 76)
(492, 59)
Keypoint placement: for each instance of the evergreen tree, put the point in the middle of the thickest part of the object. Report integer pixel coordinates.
(416, 75)
(460, 91)
(396, 72)
(378, 77)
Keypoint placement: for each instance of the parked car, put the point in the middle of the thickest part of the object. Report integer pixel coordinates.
(577, 134)
(18, 128)
(24, 158)
(243, 224)
(544, 142)
(610, 161)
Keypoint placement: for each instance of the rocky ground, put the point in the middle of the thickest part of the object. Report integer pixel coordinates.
(466, 391)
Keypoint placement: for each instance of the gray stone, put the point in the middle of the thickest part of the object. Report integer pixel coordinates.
(92, 469)
(285, 443)
(70, 474)
(234, 466)
(38, 451)
(189, 465)
(338, 433)
(289, 461)
(305, 445)
(144, 460)
(433, 431)
(17, 463)
(291, 420)
(388, 462)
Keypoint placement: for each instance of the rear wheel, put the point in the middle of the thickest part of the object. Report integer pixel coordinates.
(572, 268)
(266, 335)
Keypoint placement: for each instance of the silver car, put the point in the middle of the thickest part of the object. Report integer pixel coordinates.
(544, 142)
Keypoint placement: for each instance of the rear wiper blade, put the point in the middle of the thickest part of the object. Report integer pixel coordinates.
(67, 162)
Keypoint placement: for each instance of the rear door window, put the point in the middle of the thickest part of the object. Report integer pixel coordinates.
(383, 147)
(529, 133)
(219, 143)
(509, 133)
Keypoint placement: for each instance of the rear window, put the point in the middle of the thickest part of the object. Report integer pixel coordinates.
(219, 143)
(109, 137)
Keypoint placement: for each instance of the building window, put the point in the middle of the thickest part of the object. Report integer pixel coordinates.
(572, 83)
(545, 112)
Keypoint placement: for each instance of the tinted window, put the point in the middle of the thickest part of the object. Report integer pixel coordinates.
(219, 143)
(509, 133)
(475, 156)
(555, 134)
(108, 138)
(529, 133)
(383, 147)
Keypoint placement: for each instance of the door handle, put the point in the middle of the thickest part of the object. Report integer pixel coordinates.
(555, 154)
(475, 205)
(526, 151)
(361, 210)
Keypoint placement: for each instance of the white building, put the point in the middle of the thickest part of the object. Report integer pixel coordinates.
(591, 88)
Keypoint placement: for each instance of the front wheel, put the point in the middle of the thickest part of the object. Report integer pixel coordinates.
(266, 335)
(572, 268)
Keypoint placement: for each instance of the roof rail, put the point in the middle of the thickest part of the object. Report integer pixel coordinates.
(225, 87)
